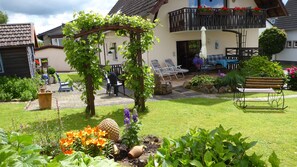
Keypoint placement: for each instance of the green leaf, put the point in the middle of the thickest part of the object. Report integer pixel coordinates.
(208, 158)
(196, 163)
(274, 160)
(220, 164)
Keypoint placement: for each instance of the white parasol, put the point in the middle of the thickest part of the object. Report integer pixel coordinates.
(203, 51)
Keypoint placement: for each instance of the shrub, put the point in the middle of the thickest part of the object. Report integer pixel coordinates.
(260, 66)
(272, 41)
(233, 78)
(292, 78)
(51, 71)
(208, 148)
(18, 88)
(202, 80)
(130, 136)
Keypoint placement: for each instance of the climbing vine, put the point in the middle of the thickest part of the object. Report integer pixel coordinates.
(81, 39)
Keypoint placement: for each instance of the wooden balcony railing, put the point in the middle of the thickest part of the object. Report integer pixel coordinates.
(246, 53)
(187, 19)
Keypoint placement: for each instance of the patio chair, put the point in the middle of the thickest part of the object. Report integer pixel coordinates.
(178, 69)
(113, 81)
(162, 72)
(64, 86)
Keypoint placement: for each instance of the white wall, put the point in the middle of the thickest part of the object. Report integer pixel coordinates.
(166, 48)
(56, 58)
(289, 54)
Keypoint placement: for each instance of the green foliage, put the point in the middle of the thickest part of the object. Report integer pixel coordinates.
(260, 66)
(3, 18)
(82, 54)
(233, 78)
(272, 41)
(18, 88)
(19, 150)
(51, 71)
(81, 159)
(208, 148)
(292, 78)
(202, 80)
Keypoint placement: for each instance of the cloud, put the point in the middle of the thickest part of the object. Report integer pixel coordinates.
(51, 13)
(41, 7)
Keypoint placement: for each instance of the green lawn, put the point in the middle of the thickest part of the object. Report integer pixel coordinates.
(273, 130)
(73, 76)
(251, 95)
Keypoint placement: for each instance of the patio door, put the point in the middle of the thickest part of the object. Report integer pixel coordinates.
(186, 51)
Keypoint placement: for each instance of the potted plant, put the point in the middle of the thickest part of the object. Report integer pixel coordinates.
(51, 71)
(224, 11)
(205, 10)
(257, 11)
(239, 11)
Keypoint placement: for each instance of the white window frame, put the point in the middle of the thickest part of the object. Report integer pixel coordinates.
(57, 41)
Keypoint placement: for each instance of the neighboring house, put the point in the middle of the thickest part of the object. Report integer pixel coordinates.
(180, 35)
(17, 43)
(52, 52)
(289, 24)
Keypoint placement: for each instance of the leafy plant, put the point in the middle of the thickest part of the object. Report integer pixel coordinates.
(233, 78)
(202, 80)
(130, 136)
(82, 54)
(292, 78)
(90, 141)
(81, 159)
(18, 149)
(260, 66)
(51, 71)
(272, 41)
(18, 88)
(208, 148)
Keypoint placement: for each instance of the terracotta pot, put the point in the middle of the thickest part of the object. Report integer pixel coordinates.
(45, 100)
(136, 152)
(42, 90)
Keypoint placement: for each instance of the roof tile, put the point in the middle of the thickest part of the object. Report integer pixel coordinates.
(16, 34)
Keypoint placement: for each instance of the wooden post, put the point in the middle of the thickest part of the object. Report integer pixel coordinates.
(141, 78)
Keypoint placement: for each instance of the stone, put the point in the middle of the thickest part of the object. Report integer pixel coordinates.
(187, 85)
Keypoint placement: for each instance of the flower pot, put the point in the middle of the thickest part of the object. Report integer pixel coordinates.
(239, 13)
(45, 100)
(136, 152)
(206, 13)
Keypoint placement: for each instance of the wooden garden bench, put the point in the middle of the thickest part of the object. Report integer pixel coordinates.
(271, 85)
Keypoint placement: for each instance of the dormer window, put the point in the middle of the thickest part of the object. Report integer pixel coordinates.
(208, 3)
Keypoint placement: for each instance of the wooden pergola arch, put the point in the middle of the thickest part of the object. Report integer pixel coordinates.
(135, 33)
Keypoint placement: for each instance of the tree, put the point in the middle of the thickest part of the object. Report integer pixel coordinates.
(272, 41)
(3, 18)
(85, 33)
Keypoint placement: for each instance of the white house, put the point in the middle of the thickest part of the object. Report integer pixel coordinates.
(181, 21)
(289, 24)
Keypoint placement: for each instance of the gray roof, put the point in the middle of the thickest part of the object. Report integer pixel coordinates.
(289, 22)
(135, 7)
(17, 35)
(57, 31)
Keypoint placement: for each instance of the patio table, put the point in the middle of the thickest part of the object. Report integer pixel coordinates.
(225, 62)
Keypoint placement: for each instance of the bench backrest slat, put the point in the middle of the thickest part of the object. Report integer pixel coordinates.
(264, 82)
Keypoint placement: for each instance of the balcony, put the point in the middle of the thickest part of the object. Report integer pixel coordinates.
(188, 19)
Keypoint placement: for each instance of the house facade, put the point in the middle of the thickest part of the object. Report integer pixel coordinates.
(289, 24)
(17, 42)
(52, 52)
(182, 20)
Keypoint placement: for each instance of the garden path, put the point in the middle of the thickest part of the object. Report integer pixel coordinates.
(72, 99)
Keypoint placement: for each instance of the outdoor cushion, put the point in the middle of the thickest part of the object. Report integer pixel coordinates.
(212, 59)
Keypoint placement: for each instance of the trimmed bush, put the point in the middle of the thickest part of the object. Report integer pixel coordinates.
(272, 41)
(18, 88)
(51, 71)
(260, 66)
(200, 147)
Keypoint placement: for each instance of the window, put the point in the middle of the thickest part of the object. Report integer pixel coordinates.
(294, 44)
(208, 3)
(57, 41)
(289, 44)
(1, 65)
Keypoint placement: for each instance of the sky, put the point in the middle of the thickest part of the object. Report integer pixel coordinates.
(48, 14)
